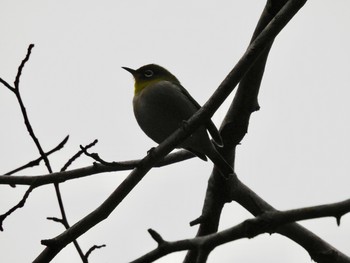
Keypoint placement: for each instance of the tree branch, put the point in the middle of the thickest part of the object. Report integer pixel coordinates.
(60, 177)
(38, 160)
(19, 205)
(268, 222)
(24, 111)
(38, 146)
(103, 211)
(233, 129)
(21, 66)
(64, 219)
(77, 155)
(235, 123)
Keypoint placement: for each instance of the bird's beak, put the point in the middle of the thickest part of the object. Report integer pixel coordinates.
(132, 71)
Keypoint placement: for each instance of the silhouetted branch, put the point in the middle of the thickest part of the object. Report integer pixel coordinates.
(60, 177)
(77, 155)
(94, 247)
(233, 130)
(265, 223)
(96, 157)
(38, 160)
(24, 111)
(235, 124)
(19, 205)
(64, 219)
(38, 146)
(105, 209)
(7, 85)
(21, 66)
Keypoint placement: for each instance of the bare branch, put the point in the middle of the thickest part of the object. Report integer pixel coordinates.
(43, 155)
(156, 236)
(265, 223)
(60, 177)
(77, 155)
(19, 205)
(91, 249)
(235, 125)
(37, 161)
(96, 157)
(20, 68)
(106, 208)
(55, 219)
(7, 85)
(64, 219)
(24, 111)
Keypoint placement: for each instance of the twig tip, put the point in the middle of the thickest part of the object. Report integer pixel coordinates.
(197, 221)
(338, 218)
(157, 237)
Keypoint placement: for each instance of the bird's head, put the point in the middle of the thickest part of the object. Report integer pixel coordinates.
(150, 74)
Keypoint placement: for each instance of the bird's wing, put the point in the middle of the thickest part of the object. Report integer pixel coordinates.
(214, 133)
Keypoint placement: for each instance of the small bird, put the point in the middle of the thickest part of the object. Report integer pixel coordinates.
(162, 105)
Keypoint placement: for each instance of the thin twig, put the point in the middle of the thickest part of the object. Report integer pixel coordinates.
(21, 66)
(64, 219)
(37, 143)
(91, 249)
(77, 155)
(32, 186)
(7, 85)
(19, 205)
(38, 160)
(23, 109)
(96, 157)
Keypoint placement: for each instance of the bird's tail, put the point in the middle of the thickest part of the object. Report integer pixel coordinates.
(225, 169)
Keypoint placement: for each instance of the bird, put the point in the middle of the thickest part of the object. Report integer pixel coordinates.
(161, 105)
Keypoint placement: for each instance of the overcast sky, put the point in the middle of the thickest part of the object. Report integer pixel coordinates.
(296, 152)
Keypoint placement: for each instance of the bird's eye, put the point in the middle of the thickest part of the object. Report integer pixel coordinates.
(148, 73)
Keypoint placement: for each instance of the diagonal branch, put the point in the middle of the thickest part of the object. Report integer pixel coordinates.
(64, 219)
(32, 186)
(24, 111)
(55, 245)
(17, 206)
(233, 129)
(21, 66)
(38, 160)
(77, 155)
(319, 250)
(7, 85)
(236, 122)
(265, 223)
(30, 130)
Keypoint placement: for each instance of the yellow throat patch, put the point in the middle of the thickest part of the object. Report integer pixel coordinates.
(140, 85)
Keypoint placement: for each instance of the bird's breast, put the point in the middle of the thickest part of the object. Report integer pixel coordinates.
(160, 109)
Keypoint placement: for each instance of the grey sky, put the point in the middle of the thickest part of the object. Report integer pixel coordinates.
(295, 154)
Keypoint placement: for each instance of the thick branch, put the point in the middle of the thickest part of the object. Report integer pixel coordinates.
(233, 129)
(102, 212)
(319, 250)
(236, 121)
(265, 223)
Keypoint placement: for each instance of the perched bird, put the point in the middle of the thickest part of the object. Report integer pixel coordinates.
(161, 105)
